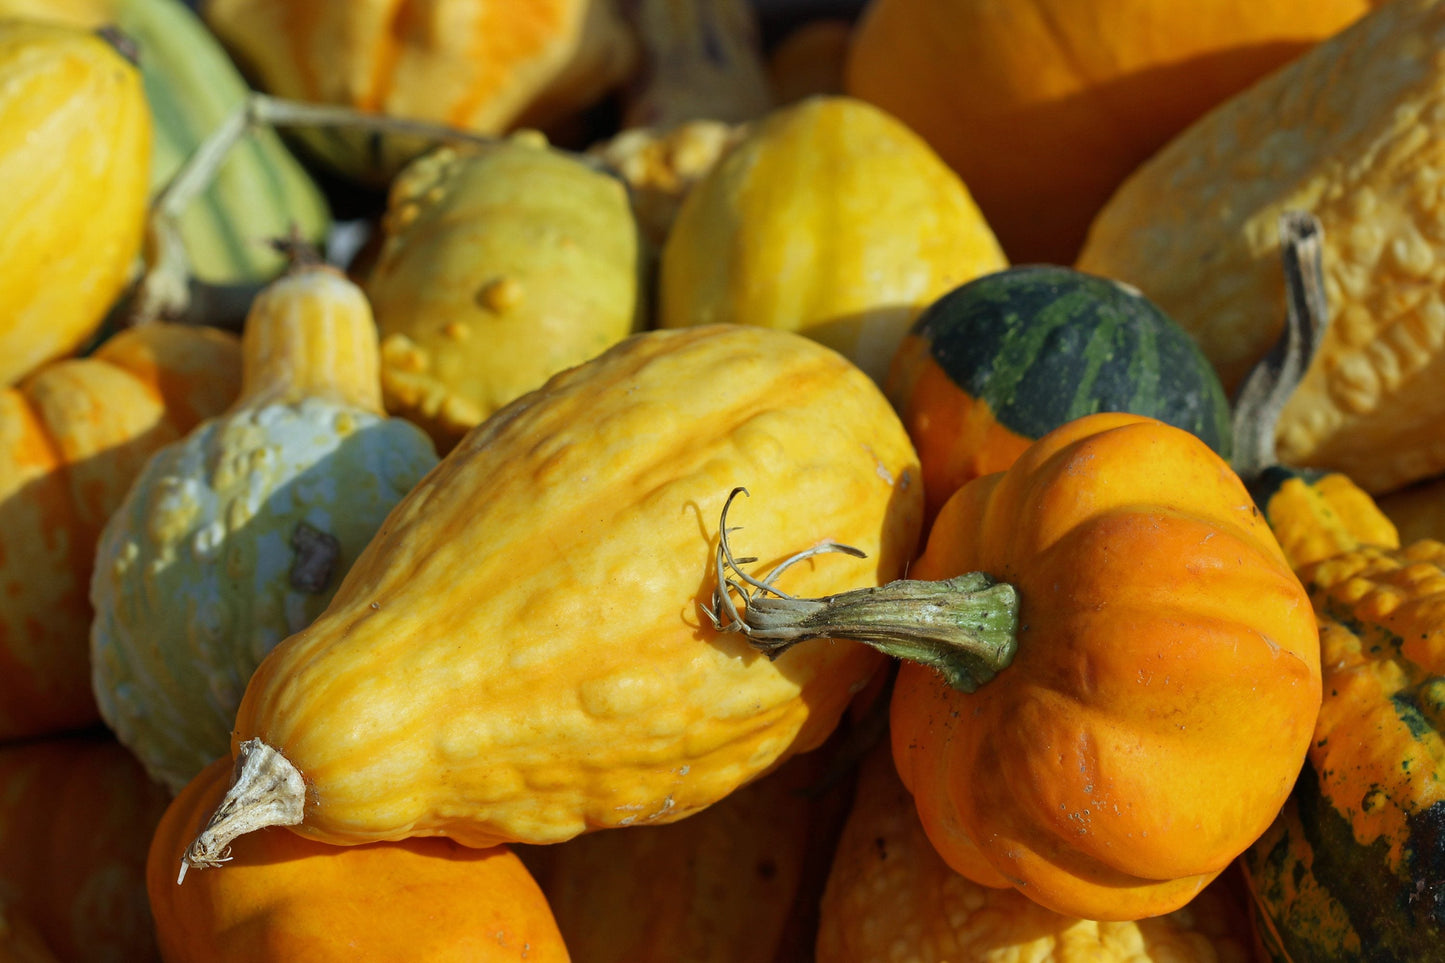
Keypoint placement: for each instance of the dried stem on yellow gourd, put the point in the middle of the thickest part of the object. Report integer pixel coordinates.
(266, 790)
(1270, 383)
(965, 627)
(166, 288)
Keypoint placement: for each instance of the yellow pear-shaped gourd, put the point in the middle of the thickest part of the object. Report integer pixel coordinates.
(525, 651)
(235, 536)
(75, 150)
(499, 267)
(830, 219)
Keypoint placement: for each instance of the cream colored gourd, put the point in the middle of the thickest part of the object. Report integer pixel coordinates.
(522, 653)
(221, 548)
(498, 268)
(1354, 132)
(830, 218)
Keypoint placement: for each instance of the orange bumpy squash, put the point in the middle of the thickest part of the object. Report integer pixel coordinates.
(75, 148)
(285, 898)
(890, 896)
(76, 817)
(1045, 106)
(482, 65)
(73, 436)
(522, 652)
(1164, 687)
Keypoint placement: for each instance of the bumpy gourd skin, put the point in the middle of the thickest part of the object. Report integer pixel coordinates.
(192, 581)
(892, 899)
(1164, 689)
(521, 653)
(1351, 131)
(498, 269)
(1352, 869)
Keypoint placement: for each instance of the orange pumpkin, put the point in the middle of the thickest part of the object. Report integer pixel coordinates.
(1044, 106)
(76, 815)
(284, 897)
(1164, 687)
(72, 437)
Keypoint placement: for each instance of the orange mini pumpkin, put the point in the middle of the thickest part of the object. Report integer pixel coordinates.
(284, 897)
(1164, 687)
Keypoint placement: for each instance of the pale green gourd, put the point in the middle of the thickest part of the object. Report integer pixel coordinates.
(202, 570)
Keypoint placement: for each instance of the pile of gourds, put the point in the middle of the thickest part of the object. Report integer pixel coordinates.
(667, 480)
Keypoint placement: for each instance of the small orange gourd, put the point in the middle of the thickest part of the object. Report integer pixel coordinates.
(1164, 688)
(73, 436)
(76, 817)
(284, 898)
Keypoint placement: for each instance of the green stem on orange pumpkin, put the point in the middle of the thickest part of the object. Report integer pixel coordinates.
(965, 627)
(1270, 383)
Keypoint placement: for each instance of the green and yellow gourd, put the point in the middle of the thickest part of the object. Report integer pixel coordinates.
(1353, 867)
(259, 192)
(498, 267)
(995, 364)
(236, 536)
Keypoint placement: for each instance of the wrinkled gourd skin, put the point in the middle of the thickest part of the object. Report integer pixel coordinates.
(1315, 515)
(1163, 692)
(75, 141)
(482, 65)
(76, 816)
(736, 883)
(1354, 131)
(520, 655)
(891, 898)
(1045, 106)
(661, 166)
(73, 436)
(283, 898)
(831, 219)
(1352, 870)
(193, 578)
(498, 269)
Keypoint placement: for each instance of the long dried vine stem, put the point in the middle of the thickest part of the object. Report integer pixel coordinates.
(965, 627)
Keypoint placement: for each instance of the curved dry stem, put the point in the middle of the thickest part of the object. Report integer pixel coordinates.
(266, 790)
(964, 627)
